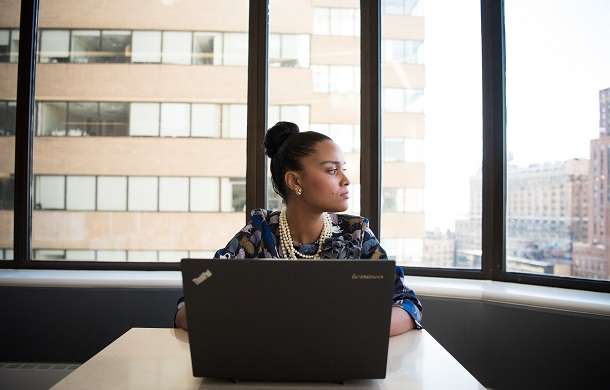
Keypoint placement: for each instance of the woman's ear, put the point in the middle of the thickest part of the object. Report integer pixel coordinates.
(293, 180)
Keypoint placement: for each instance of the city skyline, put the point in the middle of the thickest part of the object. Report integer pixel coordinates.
(553, 78)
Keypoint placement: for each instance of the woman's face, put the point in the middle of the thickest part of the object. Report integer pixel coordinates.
(323, 178)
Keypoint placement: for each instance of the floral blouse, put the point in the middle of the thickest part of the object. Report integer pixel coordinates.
(259, 239)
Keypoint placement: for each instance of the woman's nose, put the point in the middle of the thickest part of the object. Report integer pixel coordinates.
(345, 182)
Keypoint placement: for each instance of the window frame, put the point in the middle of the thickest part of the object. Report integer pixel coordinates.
(494, 168)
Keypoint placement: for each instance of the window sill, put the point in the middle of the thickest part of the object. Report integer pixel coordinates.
(491, 291)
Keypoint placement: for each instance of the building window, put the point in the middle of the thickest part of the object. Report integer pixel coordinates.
(206, 48)
(335, 79)
(402, 7)
(205, 120)
(7, 188)
(116, 47)
(175, 119)
(177, 47)
(336, 21)
(85, 46)
(289, 50)
(174, 194)
(143, 194)
(80, 193)
(54, 46)
(50, 192)
(9, 45)
(8, 118)
(112, 193)
(144, 119)
(402, 100)
(82, 119)
(235, 50)
(403, 51)
(146, 47)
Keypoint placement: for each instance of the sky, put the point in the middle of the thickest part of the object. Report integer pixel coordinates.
(557, 61)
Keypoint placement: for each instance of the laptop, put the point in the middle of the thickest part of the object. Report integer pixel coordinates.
(288, 320)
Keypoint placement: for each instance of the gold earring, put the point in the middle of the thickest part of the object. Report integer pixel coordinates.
(298, 190)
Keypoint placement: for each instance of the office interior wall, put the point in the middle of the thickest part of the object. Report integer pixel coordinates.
(503, 346)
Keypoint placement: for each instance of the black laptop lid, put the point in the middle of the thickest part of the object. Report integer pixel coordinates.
(288, 320)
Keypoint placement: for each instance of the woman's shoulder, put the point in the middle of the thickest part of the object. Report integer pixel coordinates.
(265, 214)
(355, 222)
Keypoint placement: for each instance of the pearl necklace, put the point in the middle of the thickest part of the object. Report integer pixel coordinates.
(286, 238)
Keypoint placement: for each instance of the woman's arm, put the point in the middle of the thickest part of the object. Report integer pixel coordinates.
(401, 321)
(180, 319)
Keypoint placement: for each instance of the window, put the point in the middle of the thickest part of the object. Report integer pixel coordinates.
(144, 119)
(563, 228)
(289, 50)
(403, 7)
(85, 46)
(175, 119)
(112, 193)
(7, 188)
(403, 51)
(146, 47)
(8, 112)
(205, 194)
(115, 46)
(143, 193)
(54, 46)
(50, 192)
(336, 79)
(169, 135)
(80, 193)
(403, 100)
(174, 194)
(205, 48)
(205, 120)
(235, 49)
(336, 21)
(177, 46)
(9, 45)
(432, 150)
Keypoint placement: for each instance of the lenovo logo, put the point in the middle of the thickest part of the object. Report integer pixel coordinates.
(202, 278)
(366, 277)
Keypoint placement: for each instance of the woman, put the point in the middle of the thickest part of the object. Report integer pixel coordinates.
(308, 172)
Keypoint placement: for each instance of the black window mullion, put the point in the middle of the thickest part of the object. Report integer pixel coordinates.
(370, 112)
(258, 50)
(493, 225)
(24, 133)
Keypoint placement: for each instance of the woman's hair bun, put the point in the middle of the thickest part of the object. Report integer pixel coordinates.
(276, 135)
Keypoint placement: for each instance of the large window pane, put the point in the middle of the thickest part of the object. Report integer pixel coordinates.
(432, 151)
(558, 138)
(324, 92)
(136, 125)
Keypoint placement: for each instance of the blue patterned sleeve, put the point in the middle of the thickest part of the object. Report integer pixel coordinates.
(252, 241)
(405, 297)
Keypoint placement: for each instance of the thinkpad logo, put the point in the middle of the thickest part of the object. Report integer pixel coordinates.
(366, 276)
(203, 277)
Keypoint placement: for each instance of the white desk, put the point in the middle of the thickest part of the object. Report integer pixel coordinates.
(160, 359)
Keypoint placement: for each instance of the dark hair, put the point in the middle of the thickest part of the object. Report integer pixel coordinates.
(286, 146)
